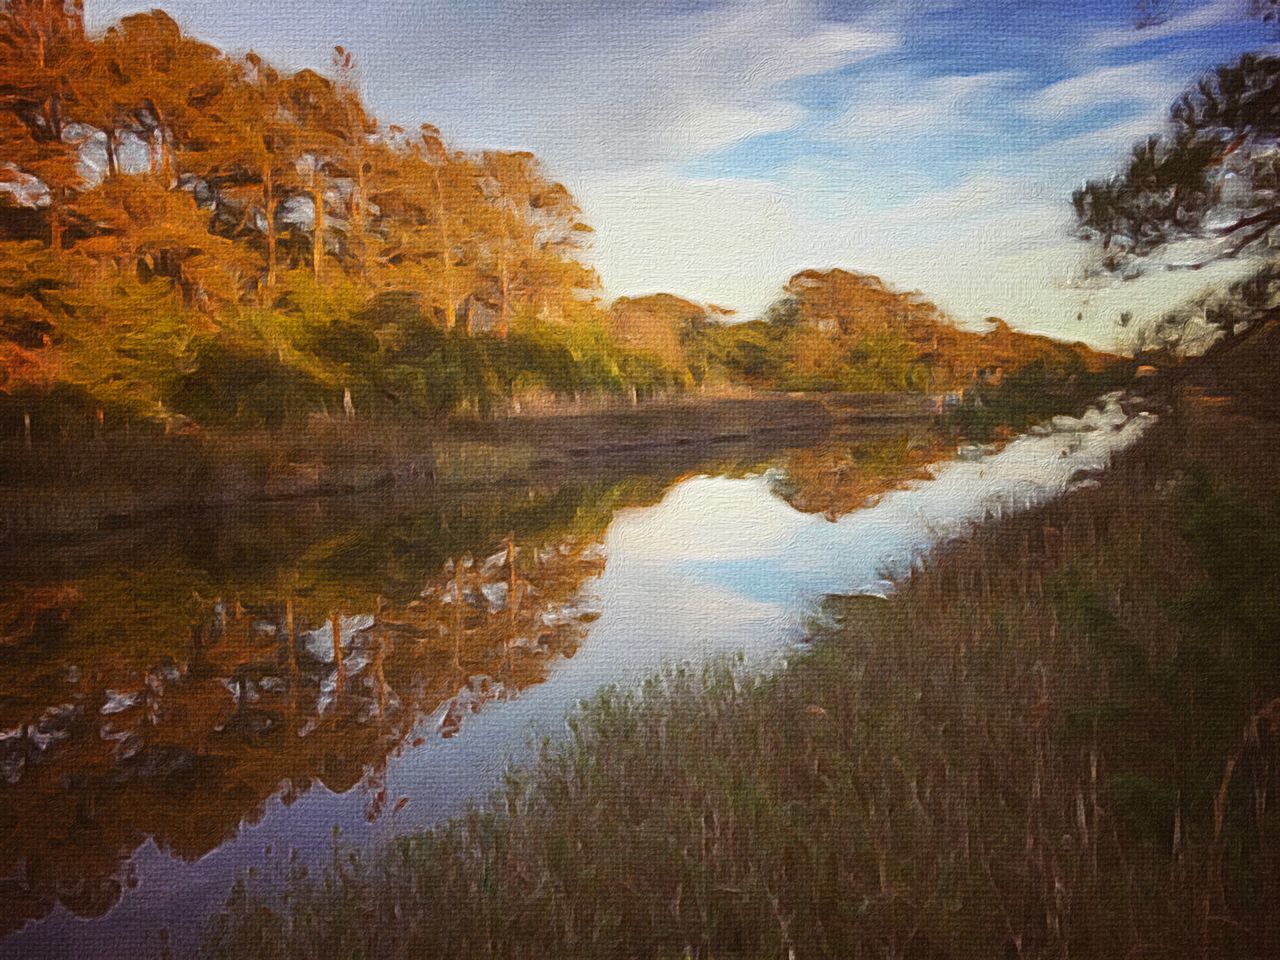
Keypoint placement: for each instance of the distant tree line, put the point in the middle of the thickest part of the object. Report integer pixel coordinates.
(837, 330)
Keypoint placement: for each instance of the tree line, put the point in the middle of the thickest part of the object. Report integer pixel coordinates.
(184, 232)
(190, 236)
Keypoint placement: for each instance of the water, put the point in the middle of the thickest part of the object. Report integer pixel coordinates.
(161, 733)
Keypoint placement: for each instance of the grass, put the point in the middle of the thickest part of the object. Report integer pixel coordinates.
(1058, 738)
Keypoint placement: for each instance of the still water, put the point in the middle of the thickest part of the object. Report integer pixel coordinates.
(181, 702)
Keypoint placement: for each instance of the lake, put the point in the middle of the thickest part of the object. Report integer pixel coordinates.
(198, 697)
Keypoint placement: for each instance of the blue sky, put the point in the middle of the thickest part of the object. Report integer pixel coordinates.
(718, 147)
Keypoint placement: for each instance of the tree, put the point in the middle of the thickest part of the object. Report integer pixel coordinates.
(326, 127)
(435, 219)
(355, 166)
(33, 283)
(1209, 184)
(537, 230)
(42, 48)
(250, 156)
(659, 324)
(139, 226)
(199, 232)
(1212, 177)
(150, 75)
(126, 340)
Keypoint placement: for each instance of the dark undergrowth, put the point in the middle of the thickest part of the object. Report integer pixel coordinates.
(1057, 739)
(90, 479)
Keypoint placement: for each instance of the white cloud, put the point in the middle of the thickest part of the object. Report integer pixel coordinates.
(1203, 17)
(604, 92)
(900, 105)
(1148, 85)
(1095, 151)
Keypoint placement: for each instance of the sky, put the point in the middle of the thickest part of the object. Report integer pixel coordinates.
(719, 147)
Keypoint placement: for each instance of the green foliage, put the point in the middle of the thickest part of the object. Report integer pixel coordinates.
(1037, 391)
(754, 352)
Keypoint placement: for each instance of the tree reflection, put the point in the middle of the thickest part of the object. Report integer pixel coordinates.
(152, 698)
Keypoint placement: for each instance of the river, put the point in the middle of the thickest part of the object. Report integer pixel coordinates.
(179, 703)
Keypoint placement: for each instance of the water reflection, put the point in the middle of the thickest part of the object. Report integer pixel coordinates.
(835, 479)
(162, 692)
(176, 702)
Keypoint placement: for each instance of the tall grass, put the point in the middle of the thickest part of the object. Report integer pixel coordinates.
(1058, 738)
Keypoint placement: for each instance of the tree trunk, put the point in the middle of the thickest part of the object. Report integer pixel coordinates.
(26, 429)
(379, 673)
(269, 199)
(446, 256)
(317, 233)
(513, 585)
(457, 615)
(113, 166)
(55, 223)
(504, 315)
(53, 113)
(167, 171)
(357, 218)
(291, 638)
(336, 622)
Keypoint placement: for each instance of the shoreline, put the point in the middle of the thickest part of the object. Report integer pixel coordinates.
(120, 481)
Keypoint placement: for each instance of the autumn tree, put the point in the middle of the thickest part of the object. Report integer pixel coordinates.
(139, 226)
(182, 227)
(33, 283)
(435, 220)
(658, 323)
(42, 48)
(536, 230)
(249, 159)
(325, 127)
(157, 81)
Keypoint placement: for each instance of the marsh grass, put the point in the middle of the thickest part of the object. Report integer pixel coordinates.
(1058, 738)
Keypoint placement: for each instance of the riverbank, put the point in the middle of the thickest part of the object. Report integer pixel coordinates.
(124, 478)
(1057, 737)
